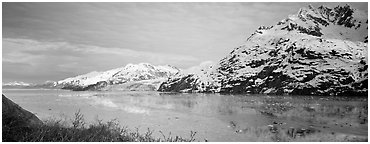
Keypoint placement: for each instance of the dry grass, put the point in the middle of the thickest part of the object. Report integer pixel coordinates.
(78, 131)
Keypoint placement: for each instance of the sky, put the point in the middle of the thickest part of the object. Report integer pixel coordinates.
(54, 41)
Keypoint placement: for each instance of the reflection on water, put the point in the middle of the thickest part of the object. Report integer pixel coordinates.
(77, 95)
(107, 102)
(104, 102)
(213, 116)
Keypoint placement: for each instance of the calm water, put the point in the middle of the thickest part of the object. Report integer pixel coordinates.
(210, 115)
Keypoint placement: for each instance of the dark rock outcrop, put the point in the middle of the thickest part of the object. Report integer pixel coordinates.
(179, 84)
(16, 121)
(12, 112)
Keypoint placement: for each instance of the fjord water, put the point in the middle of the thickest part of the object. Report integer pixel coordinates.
(214, 117)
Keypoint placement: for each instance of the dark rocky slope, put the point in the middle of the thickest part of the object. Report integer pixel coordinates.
(11, 110)
(16, 119)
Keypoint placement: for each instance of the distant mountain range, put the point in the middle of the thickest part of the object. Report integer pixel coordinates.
(24, 85)
(142, 76)
(17, 83)
(318, 51)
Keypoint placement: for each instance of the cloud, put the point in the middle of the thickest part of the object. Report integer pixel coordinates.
(60, 59)
(23, 50)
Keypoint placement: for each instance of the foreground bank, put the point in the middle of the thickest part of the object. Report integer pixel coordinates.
(20, 125)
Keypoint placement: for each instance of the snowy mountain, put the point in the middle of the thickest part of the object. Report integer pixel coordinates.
(319, 51)
(23, 85)
(129, 73)
(17, 83)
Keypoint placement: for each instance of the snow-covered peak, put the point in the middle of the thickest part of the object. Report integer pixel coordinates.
(143, 71)
(341, 22)
(138, 67)
(318, 51)
(130, 72)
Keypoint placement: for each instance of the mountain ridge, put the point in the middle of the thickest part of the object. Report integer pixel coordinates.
(129, 73)
(319, 51)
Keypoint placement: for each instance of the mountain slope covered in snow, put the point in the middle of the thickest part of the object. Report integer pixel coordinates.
(318, 51)
(129, 73)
